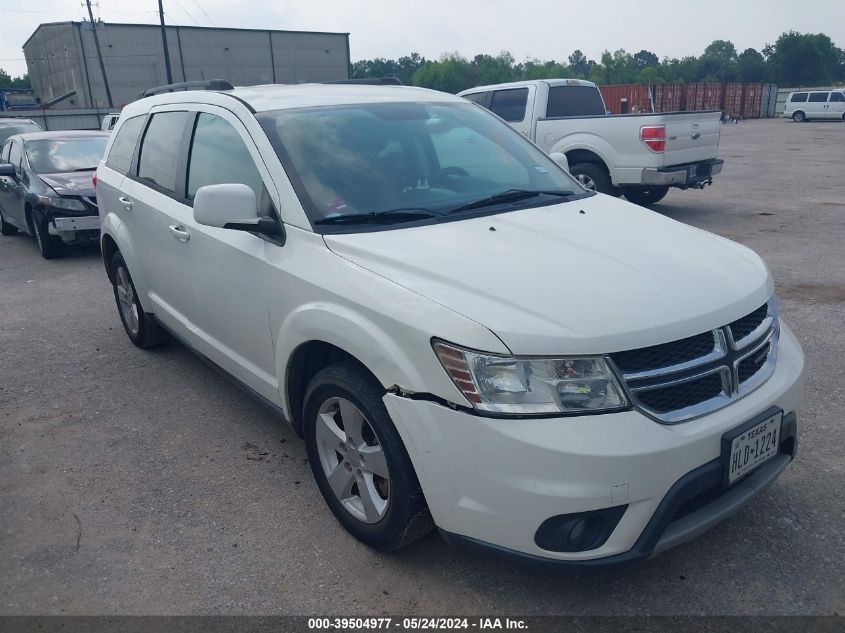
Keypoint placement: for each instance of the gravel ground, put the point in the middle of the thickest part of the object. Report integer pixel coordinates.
(137, 482)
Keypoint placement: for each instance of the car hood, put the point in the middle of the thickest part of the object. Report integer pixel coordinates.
(75, 183)
(596, 275)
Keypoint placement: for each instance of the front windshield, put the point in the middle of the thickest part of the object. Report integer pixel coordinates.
(387, 159)
(65, 155)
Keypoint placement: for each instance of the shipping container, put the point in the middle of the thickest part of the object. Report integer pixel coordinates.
(751, 98)
(668, 97)
(626, 98)
(732, 100)
(768, 101)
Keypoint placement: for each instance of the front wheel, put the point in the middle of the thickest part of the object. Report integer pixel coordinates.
(645, 195)
(49, 245)
(359, 461)
(593, 177)
(798, 117)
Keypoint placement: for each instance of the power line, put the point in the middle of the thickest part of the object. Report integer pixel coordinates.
(203, 12)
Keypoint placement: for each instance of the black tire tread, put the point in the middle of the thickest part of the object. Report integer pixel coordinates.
(598, 174)
(150, 334)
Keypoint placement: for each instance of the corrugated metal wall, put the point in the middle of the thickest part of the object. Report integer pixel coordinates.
(749, 101)
(62, 57)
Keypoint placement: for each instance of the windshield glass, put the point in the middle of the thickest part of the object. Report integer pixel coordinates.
(64, 155)
(414, 160)
(10, 129)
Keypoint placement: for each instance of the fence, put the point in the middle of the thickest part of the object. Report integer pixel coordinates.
(70, 119)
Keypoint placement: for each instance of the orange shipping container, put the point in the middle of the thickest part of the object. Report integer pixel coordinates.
(626, 98)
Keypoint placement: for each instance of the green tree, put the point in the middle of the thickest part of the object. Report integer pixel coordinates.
(750, 66)
(487, 69)
(645, 59)
(804, 59)
(451, 73)
(718, 63)
(580, 65)
(18, 83)
(650, 75)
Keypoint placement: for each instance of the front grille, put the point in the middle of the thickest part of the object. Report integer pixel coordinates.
(747, 324)
(682, 395)
(665, 355)
(690, 377)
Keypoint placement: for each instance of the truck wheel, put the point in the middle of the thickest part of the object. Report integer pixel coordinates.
(359, 461)
(798, 116)
(49, 245)
(6, 228)
(141, 329)
(645, 195)
(593, 177)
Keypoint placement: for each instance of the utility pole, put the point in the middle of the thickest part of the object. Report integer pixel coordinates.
(99, 55)
(164, 43)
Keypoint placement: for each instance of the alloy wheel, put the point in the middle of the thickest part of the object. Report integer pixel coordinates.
(586, 181)
(353, 460)
(126, 300)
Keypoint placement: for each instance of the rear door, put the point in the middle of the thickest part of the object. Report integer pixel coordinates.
(836, 105)
(5, 181)
(690, 137)
(15, 189)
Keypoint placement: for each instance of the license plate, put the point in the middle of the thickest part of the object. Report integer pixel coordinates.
(752, 446)
(81, 223)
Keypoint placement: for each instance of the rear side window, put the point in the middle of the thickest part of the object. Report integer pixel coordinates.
(161, 149)
(837, 96)
(798, 97)
(818, 97)
(476, 97)
(510, 104)
(123, 148)
(219, 156)
(574, 101)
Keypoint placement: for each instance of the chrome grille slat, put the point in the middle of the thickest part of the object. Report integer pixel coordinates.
(686, 390)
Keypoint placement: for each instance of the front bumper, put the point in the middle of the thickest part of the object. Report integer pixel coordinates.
(687, 175)
(493, 482)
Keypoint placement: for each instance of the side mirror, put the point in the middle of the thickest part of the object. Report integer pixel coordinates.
(7, 170)
(561, 160)
(232, 206)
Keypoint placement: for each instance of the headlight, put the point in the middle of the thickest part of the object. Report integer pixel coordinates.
(71, 204)
(531, 386)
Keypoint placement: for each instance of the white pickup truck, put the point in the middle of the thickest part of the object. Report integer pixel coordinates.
(637, 155)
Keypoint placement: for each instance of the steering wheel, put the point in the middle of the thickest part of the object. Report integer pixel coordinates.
(454, 171)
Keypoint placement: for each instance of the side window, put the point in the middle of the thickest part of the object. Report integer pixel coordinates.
(161, 148)
(15, 155)
(123, 147)
(798, 97)
(837, 96)
(476, 97)
(510, 104)
(4, 155)
(574, 101)
(818, 97)
(219, 156)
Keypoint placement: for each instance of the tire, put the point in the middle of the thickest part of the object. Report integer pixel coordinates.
(396, 514)
(645, 195)
(6, 228)
(140, 328)
(50, 246)
(593, 176)
(798, 116)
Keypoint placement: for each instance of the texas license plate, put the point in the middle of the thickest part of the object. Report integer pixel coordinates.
(753, 446)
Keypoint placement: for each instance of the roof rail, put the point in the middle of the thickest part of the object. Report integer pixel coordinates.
(208, 84)
(377, 81)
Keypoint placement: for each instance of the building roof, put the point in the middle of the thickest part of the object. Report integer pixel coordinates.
(181, 26)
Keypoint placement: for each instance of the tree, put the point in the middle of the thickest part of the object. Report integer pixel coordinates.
(718, 63)
(797, 59)
(487, 69)
(17, 83)
(750, 66)
(579, 64)
(645, 59)
(650, 75)
(451, 73)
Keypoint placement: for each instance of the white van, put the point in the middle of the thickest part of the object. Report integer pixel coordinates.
(815, 104)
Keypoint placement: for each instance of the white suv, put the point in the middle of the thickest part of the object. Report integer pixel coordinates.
(463, 335)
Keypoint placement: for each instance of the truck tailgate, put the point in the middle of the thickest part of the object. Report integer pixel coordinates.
(691, 136)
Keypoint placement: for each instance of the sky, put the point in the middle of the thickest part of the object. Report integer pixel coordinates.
(542, 29)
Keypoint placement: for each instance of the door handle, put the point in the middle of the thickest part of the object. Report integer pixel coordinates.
(179, 232)
(126, 202)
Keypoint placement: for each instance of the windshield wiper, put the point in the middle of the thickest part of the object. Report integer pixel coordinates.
(511, 195)
(378, 217)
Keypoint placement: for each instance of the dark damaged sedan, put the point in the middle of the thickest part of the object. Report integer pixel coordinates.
(46, 188)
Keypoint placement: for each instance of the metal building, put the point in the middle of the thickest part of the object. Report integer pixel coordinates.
(61, 58)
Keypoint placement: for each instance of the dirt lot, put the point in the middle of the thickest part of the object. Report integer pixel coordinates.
(140, 482)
